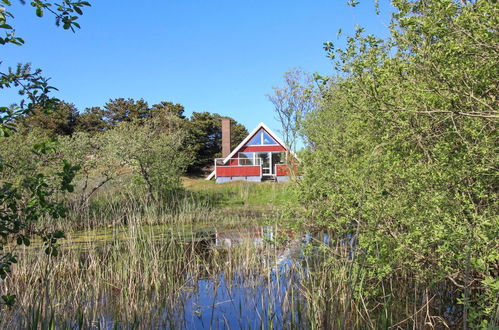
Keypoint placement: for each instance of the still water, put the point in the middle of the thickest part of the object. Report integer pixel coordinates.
(249, 296)
(231, 276)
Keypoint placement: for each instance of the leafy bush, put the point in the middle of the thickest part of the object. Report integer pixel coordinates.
(154, 151)
(402, 149)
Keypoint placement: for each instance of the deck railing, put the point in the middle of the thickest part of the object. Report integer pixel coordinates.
(221, 162)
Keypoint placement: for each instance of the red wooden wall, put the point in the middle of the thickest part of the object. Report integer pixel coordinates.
(283, 169)
(238, 171)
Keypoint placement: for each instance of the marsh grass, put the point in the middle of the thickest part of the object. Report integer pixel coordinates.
(143, 265)
(182, 279)
(129, 261)
(142, 280)
(199, 201)
(338, 294)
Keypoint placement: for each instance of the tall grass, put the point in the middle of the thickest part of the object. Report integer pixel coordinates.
(125, 273)
(142, 280)
(180, 279)
(201, 201)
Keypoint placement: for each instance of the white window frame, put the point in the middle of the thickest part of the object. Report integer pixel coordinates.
(260, 132)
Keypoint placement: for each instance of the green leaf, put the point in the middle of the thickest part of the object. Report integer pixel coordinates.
(39, 11)
(9, 300)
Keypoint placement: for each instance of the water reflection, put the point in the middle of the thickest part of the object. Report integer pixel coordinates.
(251, 300)
(210, 278)
(241, 302)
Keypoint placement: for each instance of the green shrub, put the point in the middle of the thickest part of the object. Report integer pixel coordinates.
(403, 150)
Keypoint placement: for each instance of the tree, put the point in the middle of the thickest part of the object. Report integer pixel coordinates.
(61, 121)
(293, 102)
(156, 153)
(163, 113)
(120, 110)
(91, 121)
(33, 87)
(93, 154)
(404, 158)
(168, 108)
(32, 198)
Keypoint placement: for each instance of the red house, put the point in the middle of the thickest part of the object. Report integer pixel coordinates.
(261, 155)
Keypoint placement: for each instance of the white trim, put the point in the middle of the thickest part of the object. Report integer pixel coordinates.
(262, 139)
(212, 174)
(255, 161)
(269, 155)
(240, 166)
(243, 143)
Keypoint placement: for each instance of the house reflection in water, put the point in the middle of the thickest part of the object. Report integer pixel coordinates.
(256, 235)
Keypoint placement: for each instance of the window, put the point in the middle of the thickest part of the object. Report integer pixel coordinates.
(246, 158)
(256, 140)
(278, 157)
(261, 138)
(267, 139)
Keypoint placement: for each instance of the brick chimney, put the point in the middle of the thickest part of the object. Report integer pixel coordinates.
(225, 137)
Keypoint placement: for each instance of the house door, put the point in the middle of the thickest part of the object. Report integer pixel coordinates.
(265, 156)
(277, 158)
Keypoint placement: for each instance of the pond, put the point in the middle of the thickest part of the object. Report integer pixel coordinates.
(242, 296)
(228, 276)
(170, 277)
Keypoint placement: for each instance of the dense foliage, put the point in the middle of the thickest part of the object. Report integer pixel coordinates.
(203, 133)
(150, 151)
(402, 151)
(154, 151)
(205, 136)
(30, 195)
(61, 121)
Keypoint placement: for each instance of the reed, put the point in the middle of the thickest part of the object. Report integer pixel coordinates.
(178, 268)
(145, 279)
(199, 202)
(180, 279)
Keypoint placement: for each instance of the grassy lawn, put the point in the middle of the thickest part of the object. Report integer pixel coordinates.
(243, 193)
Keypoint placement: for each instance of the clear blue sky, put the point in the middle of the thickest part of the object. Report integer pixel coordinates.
(216, 56)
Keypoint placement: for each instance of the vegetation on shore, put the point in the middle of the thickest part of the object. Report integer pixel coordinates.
(394, 217)
(201, 131)
(402, 156)
(119, 276)
(109, 265)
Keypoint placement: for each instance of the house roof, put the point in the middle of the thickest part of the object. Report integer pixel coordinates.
(246, 140)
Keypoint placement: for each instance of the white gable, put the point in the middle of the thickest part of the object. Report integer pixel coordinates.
(245, 142)
(262, 138)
